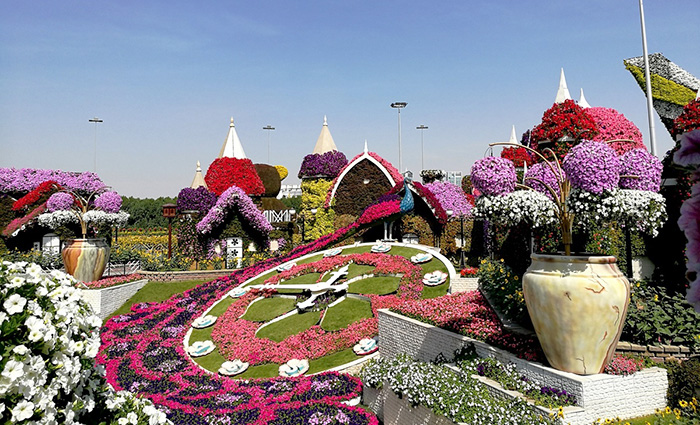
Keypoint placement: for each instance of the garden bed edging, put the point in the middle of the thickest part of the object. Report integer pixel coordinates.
(105, 301)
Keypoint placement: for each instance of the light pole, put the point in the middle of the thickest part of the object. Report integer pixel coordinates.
(268, 128)
(399, 106)
(421, 128)
(96, 121)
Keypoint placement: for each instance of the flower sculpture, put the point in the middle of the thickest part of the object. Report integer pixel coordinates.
(226, 172)
(566, 124)
(613, 125)
(100, 207)
(588, 185)
(234, 198)
(327, 164)
(199, 199)
(294, 367)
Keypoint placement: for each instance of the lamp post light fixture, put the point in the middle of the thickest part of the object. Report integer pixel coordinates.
(96, 121)
(399, 106)
(421, 128)
(169, 212)
(268, 128)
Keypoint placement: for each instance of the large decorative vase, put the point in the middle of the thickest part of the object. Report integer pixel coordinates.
(578, 306)
(86, 259)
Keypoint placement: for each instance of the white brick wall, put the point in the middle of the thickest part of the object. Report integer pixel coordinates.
(600, 396)
(107, 300)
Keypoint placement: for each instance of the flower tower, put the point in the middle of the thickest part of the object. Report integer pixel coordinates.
(318, 169)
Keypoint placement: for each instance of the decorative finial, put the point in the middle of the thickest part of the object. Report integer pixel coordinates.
(582, 102)
(199, 167)
(325, 120)
(366, 146)
(231, 122)
(563, 92)
(512, 136)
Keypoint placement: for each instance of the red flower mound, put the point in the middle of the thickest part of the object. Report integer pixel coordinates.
(689, 119)
(30, 198)
(613, 125)
(226, 172)
(565, 119)
(519, 156)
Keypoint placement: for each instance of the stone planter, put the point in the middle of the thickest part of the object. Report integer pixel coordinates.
(86, 259)
(578, 307)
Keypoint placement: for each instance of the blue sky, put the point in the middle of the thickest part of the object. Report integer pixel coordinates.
(167, 76)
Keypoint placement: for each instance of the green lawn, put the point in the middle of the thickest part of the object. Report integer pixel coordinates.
(156, 292)
(355, 270)
(375, 285)
(348, 311)
(268, 308)
(288, 326)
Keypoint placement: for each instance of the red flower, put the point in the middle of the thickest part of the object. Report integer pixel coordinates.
(30, 198)
(226, 172)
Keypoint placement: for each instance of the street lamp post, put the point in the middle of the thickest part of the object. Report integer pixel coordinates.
(96, 121)
(421, 128)
(268, 128)
(399, 106)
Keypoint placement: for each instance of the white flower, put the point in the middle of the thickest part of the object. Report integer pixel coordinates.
(20, 349)
(123, 421)
(22, 411)
(14, 304)
(15, 282)
(132, 418)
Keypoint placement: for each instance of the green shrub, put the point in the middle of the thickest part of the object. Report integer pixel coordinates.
(683, 380)
(656, 317)
(504, 289)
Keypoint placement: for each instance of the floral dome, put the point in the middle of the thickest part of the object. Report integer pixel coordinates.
(613, 125)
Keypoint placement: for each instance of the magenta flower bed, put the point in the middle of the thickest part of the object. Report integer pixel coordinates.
(113, 281)
(469, 314)
(235, 337)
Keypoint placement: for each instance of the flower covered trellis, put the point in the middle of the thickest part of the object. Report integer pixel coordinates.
(584, 187)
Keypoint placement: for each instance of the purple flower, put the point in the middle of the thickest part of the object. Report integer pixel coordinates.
(645, 166)
(109, 202)
(689, 152)
(543, 175)
(234, 197)
(27, 179)
(593, 167)
(493, 176)
(451, 197)
(199, 199)
(327, 164)
(59, 201)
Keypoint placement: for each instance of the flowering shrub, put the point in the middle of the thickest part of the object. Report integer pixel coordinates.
(226, 172)
(328, 164)
(103, 211)
(429, 176)
(493, 176)
(451, 197)
(593, 167)
(613, 125)
(516, 207)
(199, 199)
(564, 120)
(689, 119)
(15, 180)
(33, 196)
(645, 169)
(282, 171)
(504, 288)
(624, 365)
(234, 197)
(50, 340)
(519, 156)
(545, 179)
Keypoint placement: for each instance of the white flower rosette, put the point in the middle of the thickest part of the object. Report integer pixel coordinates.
(233, 367)
(51, 338)
(434, 278)
(200, 348)
(204, 321)
(421, 258)
(381, 248)
(285, 267)
(237, 292)
(365, 346)
(294, 367)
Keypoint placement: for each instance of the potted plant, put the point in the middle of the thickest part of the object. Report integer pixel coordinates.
(577, 303)
(84, 258)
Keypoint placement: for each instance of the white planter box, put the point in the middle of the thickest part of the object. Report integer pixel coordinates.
(106, 301)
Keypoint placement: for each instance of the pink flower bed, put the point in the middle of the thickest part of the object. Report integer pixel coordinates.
(235, 337)
(113, 281)
(469, 314)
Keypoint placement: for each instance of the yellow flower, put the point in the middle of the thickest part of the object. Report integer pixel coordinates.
(656, 297)
(683, 403)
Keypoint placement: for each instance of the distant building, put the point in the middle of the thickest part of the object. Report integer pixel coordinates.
(454, 177)
(289, 191)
